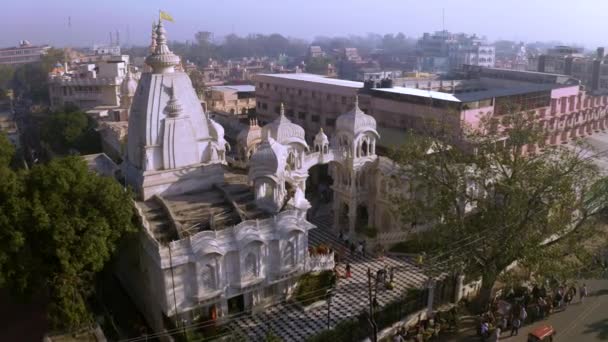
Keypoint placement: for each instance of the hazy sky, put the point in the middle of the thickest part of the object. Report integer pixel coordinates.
(46, 21)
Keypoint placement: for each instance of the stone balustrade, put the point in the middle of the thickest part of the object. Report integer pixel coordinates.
(320, 262)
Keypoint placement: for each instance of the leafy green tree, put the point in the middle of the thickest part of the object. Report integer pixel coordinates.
(69, 129)
(32, 79)
(504, 204)
(318, 65)
(59, 225)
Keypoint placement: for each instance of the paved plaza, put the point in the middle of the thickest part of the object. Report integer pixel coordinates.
(350, 298)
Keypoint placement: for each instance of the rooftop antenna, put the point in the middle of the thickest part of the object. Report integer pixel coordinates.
(111, 40)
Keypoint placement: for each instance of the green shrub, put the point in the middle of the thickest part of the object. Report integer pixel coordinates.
(312, 286)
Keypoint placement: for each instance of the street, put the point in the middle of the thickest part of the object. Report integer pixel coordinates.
(584, 322)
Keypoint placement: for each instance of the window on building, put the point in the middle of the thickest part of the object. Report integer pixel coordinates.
(264, 105)
(315, 118)
(343, 99)
(289, 112)
(289, 255)
(330, 122)
(328, 97)
(251, 266)
(314, 94)
(276, 88)
(299, 92)
(302, 115)
(277, 109)
(209, 281)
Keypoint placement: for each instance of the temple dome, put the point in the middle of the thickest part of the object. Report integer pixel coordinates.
(356, 121)
(269, 160)
(128, 85)
(321, 138)
(284, 131)
(250, 135)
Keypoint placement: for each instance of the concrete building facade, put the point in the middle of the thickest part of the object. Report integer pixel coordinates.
(22, 54)
(231, 99)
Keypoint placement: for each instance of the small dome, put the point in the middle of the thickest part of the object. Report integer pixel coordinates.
(269, 160)
(284, 131)
(128, 85)
(173, 108)
(321, 139)
(356, 121)
(250, 135)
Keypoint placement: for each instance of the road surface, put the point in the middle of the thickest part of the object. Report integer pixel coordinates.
(580, 322)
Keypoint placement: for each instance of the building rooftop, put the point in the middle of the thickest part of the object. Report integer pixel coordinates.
(473, 95)
(237, 88)
(225, 205)
(317, 79)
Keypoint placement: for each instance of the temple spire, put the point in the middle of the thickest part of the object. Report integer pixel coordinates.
(153, 43)
(282, 110)
(162, 60)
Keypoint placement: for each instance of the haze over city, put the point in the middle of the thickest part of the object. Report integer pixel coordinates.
(46, 22)
(304, 170)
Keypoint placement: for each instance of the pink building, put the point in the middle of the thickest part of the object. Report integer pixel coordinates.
(561, 104)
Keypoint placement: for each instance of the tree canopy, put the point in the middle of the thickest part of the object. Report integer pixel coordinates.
(503, 202)
(59, 224)
(71, 129)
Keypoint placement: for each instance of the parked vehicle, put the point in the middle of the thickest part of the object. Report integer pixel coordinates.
(543, 332)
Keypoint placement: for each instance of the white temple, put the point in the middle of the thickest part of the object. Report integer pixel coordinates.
(216, 240)
(207, 248)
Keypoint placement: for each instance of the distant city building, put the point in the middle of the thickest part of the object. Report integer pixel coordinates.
(89, 85)
(592, 71)
(311, 101)
(563, 108)
(373, 74)
(22, 54)
(315, 51)
(231, 99)
(443, 51)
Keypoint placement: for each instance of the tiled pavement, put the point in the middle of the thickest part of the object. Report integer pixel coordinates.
(350, 298)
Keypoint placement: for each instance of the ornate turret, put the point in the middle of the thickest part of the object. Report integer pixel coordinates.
(284, 131)
(173, 108)
(162, 60)
(321, 142)
(356, 133)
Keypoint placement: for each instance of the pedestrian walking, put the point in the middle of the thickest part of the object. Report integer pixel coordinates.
(523, 314)
(515, 324)
(484, 330)
(360, 249)
(496, 335)
(583, 292)
(504, 323)
(348, 274)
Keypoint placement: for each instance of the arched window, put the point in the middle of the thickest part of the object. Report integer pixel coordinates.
(251, 266)
(289, 254)
(364, 148)
(291, 162)
(209, 279)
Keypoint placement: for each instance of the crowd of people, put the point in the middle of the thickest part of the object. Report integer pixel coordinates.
(516, 308)
(428, 329)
